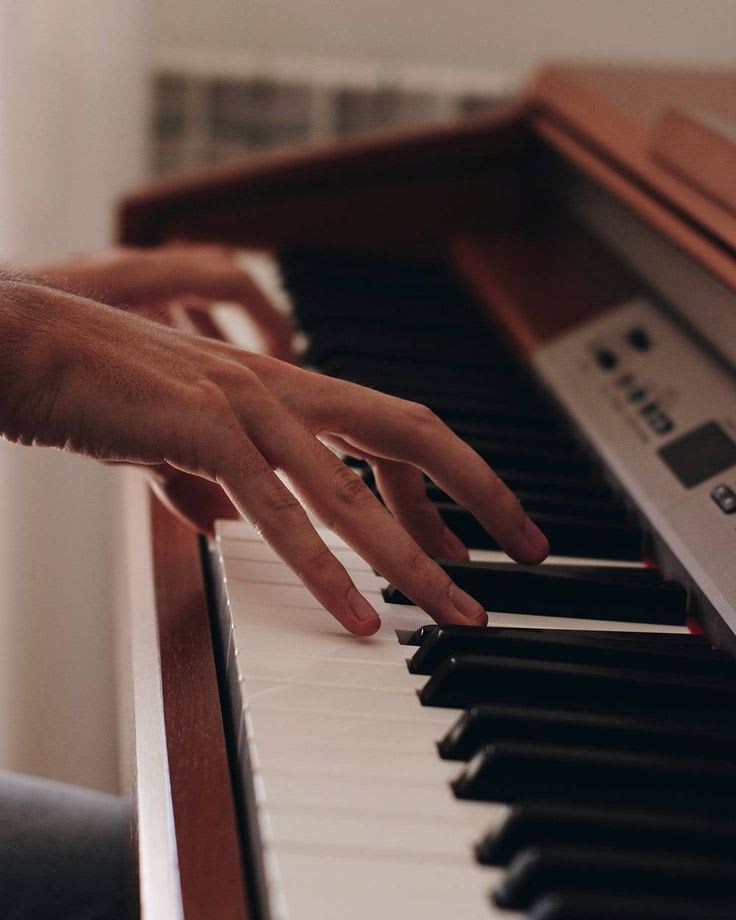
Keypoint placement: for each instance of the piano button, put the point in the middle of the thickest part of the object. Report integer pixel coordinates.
(568, 535)
(539, 824)
(605, 907)
(510, 771)
(558, 591)
(465, 681)
(539, 871)
(483, 725)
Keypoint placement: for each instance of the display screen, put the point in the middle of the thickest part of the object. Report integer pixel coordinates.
(702, 453)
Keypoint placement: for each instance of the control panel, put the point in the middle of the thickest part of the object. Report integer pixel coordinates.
(660, 411)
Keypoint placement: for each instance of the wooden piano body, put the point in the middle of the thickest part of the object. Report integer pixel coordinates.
(476, 193)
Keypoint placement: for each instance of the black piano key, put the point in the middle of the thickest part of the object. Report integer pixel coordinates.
(558, 645)
(573, 906)
(549, 503)
(602, 594)
(555, 486)
(469, 680)
(511, 771)
(491, 429)
(568, 535)
(333, 346)
(478, 386)
(540, 824)
(535, 459)
(480, 726)
(539, 871)
(692, 643)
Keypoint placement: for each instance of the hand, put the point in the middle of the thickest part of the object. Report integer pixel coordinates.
(116, 386)
(151, 281)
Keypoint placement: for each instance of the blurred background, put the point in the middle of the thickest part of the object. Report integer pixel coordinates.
(98, 95)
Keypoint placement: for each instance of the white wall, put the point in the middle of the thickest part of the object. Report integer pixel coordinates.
(72, 121)
(513, 34)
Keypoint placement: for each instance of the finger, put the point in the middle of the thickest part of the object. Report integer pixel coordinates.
(258, 494)
(196, 501)
(397, 430)
(345, 504)
(236, 285)
(191, 316)
(405, 494)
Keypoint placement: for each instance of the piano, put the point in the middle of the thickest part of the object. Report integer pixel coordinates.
(557, 280)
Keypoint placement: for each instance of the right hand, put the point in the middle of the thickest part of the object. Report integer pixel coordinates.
(114, 386)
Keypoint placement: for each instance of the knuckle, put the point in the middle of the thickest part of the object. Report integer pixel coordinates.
(421, 417)
(211, 399)
(276, 502)
(317, 562)
(349, 489)
(233, 377)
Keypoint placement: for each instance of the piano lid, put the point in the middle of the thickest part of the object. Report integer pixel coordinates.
(670, 130)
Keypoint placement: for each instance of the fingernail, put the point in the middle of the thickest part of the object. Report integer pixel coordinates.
(454, 548)
(467, 606)
(360, 607)
(535, 539)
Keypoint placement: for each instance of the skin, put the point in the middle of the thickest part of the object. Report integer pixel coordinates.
(215, 424)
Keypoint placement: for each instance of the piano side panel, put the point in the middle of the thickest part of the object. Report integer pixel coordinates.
(208, 847)
(189, 856)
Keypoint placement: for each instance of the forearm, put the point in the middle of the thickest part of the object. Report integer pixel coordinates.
(25, 324)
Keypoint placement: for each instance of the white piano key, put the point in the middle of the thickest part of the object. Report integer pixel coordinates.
(255, 549)
(365, 834)
(327, 638)
(332, 731)
(271, 694)
(493, 555)
(367, 764)
(329, 671)
(527, 621)
(285, 789)
(245, 612)
(277, 573)
(322, 886)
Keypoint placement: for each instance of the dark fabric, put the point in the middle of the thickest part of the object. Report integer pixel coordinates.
(63, 852)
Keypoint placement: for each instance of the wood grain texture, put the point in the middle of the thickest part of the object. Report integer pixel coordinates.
(208, 847)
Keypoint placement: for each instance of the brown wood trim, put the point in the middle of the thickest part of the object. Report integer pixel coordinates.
(699, 151)
(305, 188)
(534, 283)
(205, 823)
(688, 237)
(596, 105)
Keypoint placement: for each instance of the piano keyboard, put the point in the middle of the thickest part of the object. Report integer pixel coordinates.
(617, 740)
(575, 760)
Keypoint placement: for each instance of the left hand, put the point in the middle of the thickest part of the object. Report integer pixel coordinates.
(150, 281)
(162, 284)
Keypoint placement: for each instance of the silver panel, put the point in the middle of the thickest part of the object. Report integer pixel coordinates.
(692, 536)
